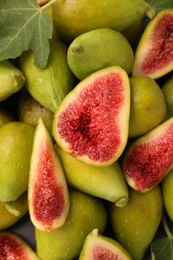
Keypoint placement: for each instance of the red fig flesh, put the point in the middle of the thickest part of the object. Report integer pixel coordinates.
(154, 53)
(92, 121)
(47, 193)
(150, 157)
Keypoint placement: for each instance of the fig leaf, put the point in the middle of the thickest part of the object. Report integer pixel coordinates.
(24, 25)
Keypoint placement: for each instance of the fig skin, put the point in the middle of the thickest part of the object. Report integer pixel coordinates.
(167, 90)
(153, 55)
(15, 148)
(112, 47)
(135, 225)
(149, 158)
(167, 190)
(48, 196)
(86, 213)
(91, 123)
(72, 18)
(97, 246)
(107, 183)
(13, 246)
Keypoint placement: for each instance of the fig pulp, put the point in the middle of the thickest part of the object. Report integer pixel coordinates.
(154, 53)
(48, 196)
(150, 157)
(92, 121)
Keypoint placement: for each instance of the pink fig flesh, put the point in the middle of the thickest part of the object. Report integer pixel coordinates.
(149, 158)
(154, 54)
(92, 121)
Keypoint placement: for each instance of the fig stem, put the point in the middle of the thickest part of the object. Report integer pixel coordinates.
(151, 12)
(51, 2)
(166, 227)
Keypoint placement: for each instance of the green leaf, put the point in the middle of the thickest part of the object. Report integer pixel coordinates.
(24, 25)
(159, 5)
(162, 249)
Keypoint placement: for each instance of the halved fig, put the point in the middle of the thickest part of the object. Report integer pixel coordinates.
(47, 192)
(14, 247)
(154, 53)
(149, 158)
(92, 121)
(97, 246)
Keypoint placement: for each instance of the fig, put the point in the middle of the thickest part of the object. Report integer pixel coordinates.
(154, 53)
(12, 246)
(30, 110)
(149, 158)
(50, 85)
(167, 90)
(92, 121)
(11, 78)
(97, 246)
(86, 213)
(16, 140)
(14, 211)
(6, 115)
(112, 50)
(167, 190)
(147, 106)
(107, 183)
(48, 196)
(72, 18)
(135, 225)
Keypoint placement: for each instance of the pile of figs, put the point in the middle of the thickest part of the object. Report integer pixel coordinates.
(86, 143)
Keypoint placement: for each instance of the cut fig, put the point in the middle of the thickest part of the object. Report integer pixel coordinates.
(92, 121)
(14, 247)
(154, 53)
(150, 157)
(47, 192)
(97, 246)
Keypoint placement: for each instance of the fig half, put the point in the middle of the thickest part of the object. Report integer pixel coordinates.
(92, 121)
(150, 157)
(154, 53)
(47, 191)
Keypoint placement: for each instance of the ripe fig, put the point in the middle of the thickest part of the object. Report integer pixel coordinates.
(86, 213)
(48, 196)
(167, 90)
(15, 148)
(14, 247)
(167, 190)
(112, 47)
(92, 121)
(72, 18)
(11, 78)
(150, 157)
(147, 106)
(97, 246)
(135, 225)
(50, 85)
(107, 183)
(154, 53)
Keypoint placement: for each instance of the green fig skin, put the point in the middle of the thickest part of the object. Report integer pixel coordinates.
(167, 90)
(107, 183)
(86, 213)
(49, 85)
(72, 18)
(16, 140)
(167, 190)
(11, 80)
(135, 225)
(97, 246)
(98, 49)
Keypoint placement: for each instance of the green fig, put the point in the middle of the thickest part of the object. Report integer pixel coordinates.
(86, 213)
(98, 49)
(167, 190)
(72, 18)
(135, 225)
(107, 183)
(97, 246)
(50, 85)
(167, 90)
(11, 79)
(15, 148)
